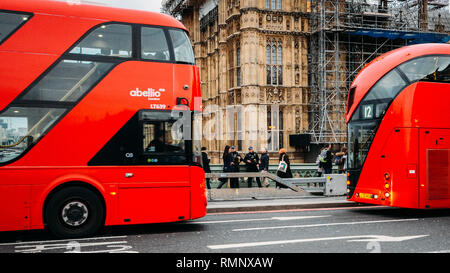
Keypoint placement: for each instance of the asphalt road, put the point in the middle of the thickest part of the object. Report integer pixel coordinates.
(340, 230)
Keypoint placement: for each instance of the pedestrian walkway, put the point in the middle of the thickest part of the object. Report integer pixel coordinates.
(262, 204)
(228, 194)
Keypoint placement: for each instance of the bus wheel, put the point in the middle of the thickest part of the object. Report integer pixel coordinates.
(74, 212)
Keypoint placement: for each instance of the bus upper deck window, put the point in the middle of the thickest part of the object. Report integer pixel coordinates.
(112, 40)
(154, 44)
(182, 46)
(9, 22)
(430, 68)
(386, 88)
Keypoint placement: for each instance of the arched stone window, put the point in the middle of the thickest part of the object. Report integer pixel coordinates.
(274, 62)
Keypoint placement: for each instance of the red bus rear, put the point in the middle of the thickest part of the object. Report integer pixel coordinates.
(399, 129)
(97, 114)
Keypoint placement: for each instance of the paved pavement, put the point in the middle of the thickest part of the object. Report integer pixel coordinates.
(278, 203)
(315, 195)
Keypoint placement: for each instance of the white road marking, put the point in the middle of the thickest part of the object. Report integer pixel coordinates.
(261, 219)
(63, 240)
(298, 210)
(326, 224)
(289, 218)
(378, 238)
(440, 251)
(74, 246)
(112, 244)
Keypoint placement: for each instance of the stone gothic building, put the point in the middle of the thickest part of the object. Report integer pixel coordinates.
(253, 60)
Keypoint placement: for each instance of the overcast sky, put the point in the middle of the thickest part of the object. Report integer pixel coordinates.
(148, 5)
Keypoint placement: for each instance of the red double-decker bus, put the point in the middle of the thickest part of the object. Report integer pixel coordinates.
(399, 129)
(97, 113)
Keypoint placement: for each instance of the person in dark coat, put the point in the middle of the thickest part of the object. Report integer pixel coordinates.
(264, 160)
(328, 164)
(206, 167)
(264, 164)
(251, 161)
(226, 165)
(235, 160)
(288, 174)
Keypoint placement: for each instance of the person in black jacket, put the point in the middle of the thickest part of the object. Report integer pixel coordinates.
(328, 164)
(235, 160)
(206, 167)
(226, 165)
(251, 161)
(288, 174)
(264, 164)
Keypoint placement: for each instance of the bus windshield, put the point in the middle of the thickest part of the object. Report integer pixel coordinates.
(367, 117)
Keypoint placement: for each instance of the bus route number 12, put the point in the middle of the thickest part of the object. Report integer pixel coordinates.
(368, 111)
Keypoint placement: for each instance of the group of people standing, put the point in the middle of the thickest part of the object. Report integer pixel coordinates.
(253, 163)
(326, 158)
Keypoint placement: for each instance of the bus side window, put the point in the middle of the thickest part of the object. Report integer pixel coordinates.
(113, 40)
(68, 81)
(9, 22)
(162, 140)
(20, 127)
(182, 46)
(154, 44)
(161, 144)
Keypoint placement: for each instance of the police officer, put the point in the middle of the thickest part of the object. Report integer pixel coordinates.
(234, 166)
(251, 161)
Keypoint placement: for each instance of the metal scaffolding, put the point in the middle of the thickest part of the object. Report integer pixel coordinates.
(175, 7)
(346, 35)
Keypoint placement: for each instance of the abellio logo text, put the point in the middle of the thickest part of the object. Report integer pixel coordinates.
(150, 93)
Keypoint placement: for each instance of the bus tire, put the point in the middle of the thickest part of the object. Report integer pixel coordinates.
(74, 212)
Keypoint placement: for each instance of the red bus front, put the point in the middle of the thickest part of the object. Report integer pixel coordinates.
(399, 129)
(97, 113)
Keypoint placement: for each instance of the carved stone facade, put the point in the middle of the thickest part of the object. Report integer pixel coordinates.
(252, 56)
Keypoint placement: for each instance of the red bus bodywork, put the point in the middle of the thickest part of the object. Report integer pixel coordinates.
(131, 194)
(407, 164)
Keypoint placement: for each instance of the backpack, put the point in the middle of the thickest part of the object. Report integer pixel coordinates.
(323, 156)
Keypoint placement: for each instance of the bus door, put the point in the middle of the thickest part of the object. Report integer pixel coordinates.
(151, 168)
(434, 171)
(159, 189)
